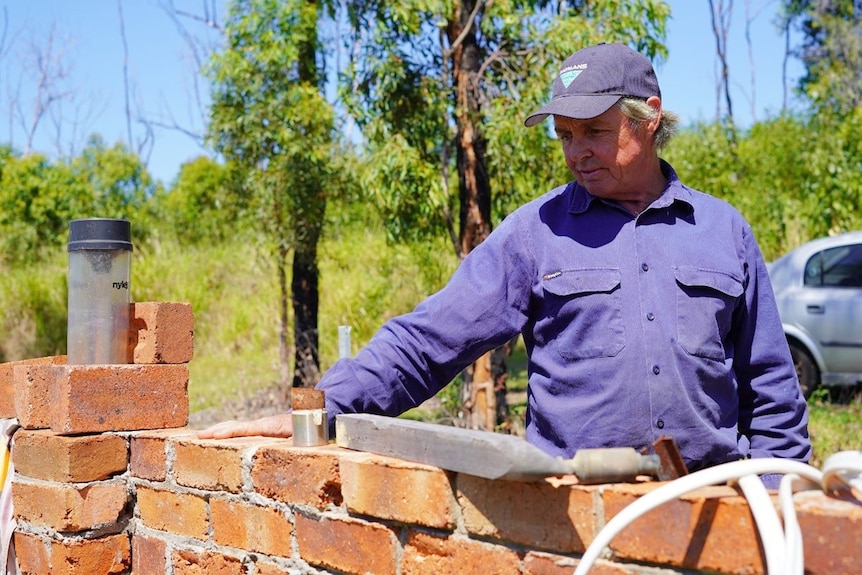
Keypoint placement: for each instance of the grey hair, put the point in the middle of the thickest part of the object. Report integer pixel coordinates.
(638, 111)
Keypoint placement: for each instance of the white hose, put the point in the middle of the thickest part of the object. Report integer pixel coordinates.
(767, 522)
(842, 473)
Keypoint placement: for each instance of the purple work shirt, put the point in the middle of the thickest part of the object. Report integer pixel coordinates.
(662, 324)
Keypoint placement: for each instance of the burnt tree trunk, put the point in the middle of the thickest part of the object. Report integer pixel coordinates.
(308, 223)
(305, 291)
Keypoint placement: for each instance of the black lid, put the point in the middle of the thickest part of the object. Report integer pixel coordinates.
(100, 234)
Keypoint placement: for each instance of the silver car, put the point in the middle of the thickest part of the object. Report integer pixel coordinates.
(818, 287)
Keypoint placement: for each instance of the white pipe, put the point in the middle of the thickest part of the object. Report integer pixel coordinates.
(795, 558)
(842, 473)
(767, 522)
(678, 487)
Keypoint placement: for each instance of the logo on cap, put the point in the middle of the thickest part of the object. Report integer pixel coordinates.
(569, 76)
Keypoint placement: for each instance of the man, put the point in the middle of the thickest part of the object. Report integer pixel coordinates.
(644, 305)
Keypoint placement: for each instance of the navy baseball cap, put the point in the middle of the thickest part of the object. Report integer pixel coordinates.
(592, 80)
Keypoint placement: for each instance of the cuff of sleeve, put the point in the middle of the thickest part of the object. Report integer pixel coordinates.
(771, 480)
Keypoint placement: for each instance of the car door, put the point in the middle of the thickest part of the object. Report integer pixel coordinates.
(830, 309)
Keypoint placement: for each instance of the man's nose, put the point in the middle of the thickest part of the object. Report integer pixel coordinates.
(577, 149)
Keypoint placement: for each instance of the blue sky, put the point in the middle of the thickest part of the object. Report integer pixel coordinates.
(162, 83)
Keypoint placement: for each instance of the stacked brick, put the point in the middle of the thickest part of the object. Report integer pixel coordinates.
(70, 494)
(162, 502)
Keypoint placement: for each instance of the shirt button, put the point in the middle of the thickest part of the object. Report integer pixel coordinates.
(660, 423)
(650, 316)
(645, 267)
(656, 369)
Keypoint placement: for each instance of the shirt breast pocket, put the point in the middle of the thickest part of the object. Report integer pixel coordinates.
(705, 302)
(585, 310)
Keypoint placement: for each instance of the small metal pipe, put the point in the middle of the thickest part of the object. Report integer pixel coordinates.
(310, 427)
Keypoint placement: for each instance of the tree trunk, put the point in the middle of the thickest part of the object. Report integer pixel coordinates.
(304, 288)
(480, 401)
(306, 276)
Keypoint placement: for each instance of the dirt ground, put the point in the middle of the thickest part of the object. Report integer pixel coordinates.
(268, 401)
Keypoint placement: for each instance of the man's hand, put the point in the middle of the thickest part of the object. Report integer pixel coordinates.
(279, 425)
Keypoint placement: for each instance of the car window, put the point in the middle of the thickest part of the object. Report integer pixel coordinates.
(835, 267)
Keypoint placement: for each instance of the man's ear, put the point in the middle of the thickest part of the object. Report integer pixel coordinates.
(654, 102)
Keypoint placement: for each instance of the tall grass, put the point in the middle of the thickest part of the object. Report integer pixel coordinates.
(835, 422)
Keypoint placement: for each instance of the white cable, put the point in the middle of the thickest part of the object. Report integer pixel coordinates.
(767, 522)
(678, 487)
(795, 559)
(842, 474)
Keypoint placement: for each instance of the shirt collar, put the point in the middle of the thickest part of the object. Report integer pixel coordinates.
(674, 193)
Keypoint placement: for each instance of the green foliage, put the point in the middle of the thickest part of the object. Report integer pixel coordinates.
(39, 198)
(401, 84)
(233, 293)
(119, 183)
(831, 51)
(269, 117)
(833, 426)
(33, 308)
(413, 202)
(793, 180)
(205, 204)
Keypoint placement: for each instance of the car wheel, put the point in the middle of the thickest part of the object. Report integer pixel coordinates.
(806, 369)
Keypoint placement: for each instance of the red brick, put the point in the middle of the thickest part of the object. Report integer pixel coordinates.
(149, 555)
(148, 458)
(8, 388)
(264, 568)
(97, 398)
(66, 507)
(107, 555)
(426, 554)
(708, 529)
(389, 488)
(302, 475)
(179, 513)
(538, 563)
(161, 332)
(149, 451)
(831, 532)
(33, 395)
(535, 514)
(250, 527)
(191, 562)
(212, 465)
(42, 454)
(348, 545)
(33, 553)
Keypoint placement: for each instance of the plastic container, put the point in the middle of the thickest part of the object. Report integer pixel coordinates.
(100, 253)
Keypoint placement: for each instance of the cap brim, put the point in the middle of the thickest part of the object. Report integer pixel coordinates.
(579, 107)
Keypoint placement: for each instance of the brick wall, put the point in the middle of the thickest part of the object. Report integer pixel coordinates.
(108, 481)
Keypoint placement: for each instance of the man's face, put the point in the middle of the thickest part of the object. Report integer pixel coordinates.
(606, 156)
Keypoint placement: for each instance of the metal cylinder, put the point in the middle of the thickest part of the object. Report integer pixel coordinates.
(310, 427)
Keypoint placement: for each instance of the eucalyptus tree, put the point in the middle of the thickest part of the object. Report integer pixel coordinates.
(270, 118)
(440, 89)
(831, 51)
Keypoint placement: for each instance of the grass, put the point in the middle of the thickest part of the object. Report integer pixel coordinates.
(835, 422)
